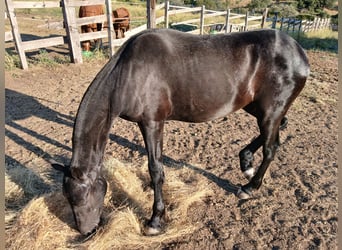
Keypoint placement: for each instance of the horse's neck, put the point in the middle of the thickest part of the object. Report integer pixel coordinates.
(91, 128)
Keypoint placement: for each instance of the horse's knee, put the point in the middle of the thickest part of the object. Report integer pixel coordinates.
(269, 151)
(157, 174)
(160, 207)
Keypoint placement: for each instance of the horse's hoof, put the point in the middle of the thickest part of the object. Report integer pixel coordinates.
(249, 173)
(151, 231)
(242, 194)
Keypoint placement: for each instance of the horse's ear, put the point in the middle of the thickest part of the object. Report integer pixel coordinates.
(60, 167)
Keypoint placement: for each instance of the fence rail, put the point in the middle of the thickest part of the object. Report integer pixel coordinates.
(204, 13)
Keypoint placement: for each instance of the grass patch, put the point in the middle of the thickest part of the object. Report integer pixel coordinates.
(326, 40)
(97, 54)
(43, 13)
(12, 61)
(49, 60)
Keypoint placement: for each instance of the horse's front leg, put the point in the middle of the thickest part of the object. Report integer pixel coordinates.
(153, 136)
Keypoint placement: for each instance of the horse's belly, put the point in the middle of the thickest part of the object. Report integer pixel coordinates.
(202, 108)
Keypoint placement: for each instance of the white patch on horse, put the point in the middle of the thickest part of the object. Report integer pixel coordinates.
(249, 173)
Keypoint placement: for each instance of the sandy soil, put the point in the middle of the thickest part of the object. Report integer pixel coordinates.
(296, 208)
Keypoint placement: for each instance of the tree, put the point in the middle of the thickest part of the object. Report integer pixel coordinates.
(315, 4)
(209, 4)
(259, 4)
(284, 10)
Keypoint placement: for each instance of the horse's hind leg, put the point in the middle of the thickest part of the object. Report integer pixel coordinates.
(269, 136)
(153, 137)
(269, 124)
(246, 157)
(246, 154)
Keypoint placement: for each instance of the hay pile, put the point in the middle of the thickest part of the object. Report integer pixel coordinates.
(47, 222)
(21, 185)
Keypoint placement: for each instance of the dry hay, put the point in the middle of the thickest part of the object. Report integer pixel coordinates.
(21, 185)
(47, 222)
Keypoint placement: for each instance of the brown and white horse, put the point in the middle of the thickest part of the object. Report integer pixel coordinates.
(160, 75)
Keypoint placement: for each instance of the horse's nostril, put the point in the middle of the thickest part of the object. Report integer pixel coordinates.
(90, 234)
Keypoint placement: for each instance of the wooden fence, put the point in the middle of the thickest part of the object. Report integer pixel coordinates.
(228, 26)
(71, 23)
(233, 23)
(316, 24)
(297, 25)
(203, 13)
(21, 46)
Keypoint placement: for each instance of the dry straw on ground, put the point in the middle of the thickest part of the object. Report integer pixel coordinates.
(46, 222)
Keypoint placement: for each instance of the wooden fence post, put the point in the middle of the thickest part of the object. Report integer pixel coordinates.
(246, 22)
(275, 19)
(151, 14)
(227, 21)
(202, 20)
(288, 25)
(167, 6)
(110, 27)
(299, 28)
(281, 23)
(316, 21)
(264, 16)
(72, 32)
(16, 34)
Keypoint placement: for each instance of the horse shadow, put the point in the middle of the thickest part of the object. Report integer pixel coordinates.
(61, 49)
(172, 163)
(20, 106)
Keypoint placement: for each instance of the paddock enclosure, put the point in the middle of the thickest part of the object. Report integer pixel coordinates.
(295, 208)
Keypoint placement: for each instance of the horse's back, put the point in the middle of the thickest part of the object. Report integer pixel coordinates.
(201, 78)
(90, 10)
(121, 13)
(230, 49)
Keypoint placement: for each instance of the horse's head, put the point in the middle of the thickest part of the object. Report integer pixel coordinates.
(85, 195)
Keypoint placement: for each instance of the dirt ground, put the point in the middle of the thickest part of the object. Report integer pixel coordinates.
(296, 208)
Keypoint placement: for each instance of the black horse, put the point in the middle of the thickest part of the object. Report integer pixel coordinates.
(160, 75)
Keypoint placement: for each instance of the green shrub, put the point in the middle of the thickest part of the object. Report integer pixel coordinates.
(334, 19)
(284, 10)
(11, 61)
